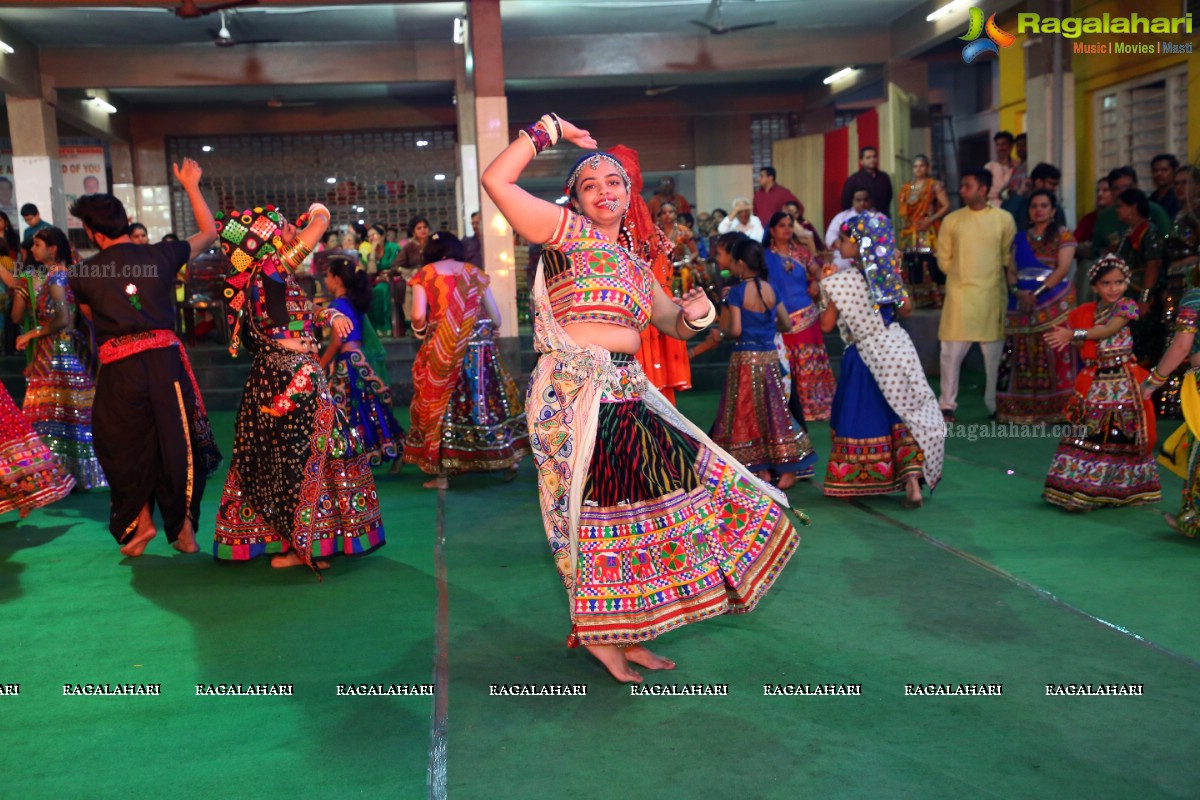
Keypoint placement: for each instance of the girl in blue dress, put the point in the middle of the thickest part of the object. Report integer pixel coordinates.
(753, 422)
(363, 396)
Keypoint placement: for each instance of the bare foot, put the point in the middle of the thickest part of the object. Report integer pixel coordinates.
(511, 473)
(397, 465)
(787, 481)
(1172, 522)
(142, 536)
(764, 475)
(186, 543)
(613, 659)
(640, 655)
(440, 482)
(292, 559)
(912, 497)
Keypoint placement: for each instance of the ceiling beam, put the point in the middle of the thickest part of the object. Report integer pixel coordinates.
(174, 121)
(180, 66)
(650, 54)
(19, 69)
(399, 62)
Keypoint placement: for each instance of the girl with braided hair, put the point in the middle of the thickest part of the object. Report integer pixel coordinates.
(753, 421)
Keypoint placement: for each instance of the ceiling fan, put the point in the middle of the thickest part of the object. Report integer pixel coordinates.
(655, 91)
(223, 38)
(189, 10)
(278, 102)
(716, 27)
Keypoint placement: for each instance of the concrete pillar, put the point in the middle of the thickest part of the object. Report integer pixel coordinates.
(152, 205)
(484, 67)
(37, 172)
(124, 188)
(1050, 103)
(468, 159)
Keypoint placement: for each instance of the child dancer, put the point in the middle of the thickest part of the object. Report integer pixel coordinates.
(753, 422)
(887, 429)
(1108, 459)
(357, 388)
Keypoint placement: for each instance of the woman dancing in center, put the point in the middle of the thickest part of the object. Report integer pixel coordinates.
(300, 485)
(652, 525)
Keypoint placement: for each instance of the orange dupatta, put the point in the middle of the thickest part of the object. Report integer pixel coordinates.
(438, 364)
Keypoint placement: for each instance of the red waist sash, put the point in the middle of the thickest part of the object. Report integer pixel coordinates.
(125, 346)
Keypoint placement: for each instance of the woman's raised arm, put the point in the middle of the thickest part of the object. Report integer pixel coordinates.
(533, 218)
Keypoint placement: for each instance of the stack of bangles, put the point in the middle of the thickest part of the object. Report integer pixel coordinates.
(1080, 334)
(294, 253)
(544, 133)
(702, 323)
(1156, 378)
(420, 332)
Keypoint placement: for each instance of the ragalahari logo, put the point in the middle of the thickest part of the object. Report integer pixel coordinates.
(996, 38)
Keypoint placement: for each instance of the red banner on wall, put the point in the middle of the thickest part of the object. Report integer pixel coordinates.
(837, 160)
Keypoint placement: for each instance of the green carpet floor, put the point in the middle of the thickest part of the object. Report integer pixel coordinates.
(985, 584)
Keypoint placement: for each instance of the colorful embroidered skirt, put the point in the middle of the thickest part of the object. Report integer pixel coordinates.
(753, 422)
(366, 402)
(1035, 381)
(873, 451)
(812, 377)
(669, 533)
(58, 405)
(483, 428)
(299, 478)
(30, 476)
(1107, 462)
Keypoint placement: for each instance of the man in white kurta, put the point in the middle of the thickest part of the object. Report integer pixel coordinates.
(975, 251)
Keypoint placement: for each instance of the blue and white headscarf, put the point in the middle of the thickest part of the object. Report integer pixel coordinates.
(878, 256)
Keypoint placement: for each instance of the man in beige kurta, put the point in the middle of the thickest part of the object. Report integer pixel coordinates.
(975, 251)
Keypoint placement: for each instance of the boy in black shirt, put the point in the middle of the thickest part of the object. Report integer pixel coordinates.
(148, 423)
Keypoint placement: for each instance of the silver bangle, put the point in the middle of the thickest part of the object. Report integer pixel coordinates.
(1080, 334)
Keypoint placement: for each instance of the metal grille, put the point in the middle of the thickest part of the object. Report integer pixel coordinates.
(765, 129)
(383, 173)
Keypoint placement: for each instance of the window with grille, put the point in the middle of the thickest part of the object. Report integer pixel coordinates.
(766, 129)
(379, 176)
(1136, 121)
